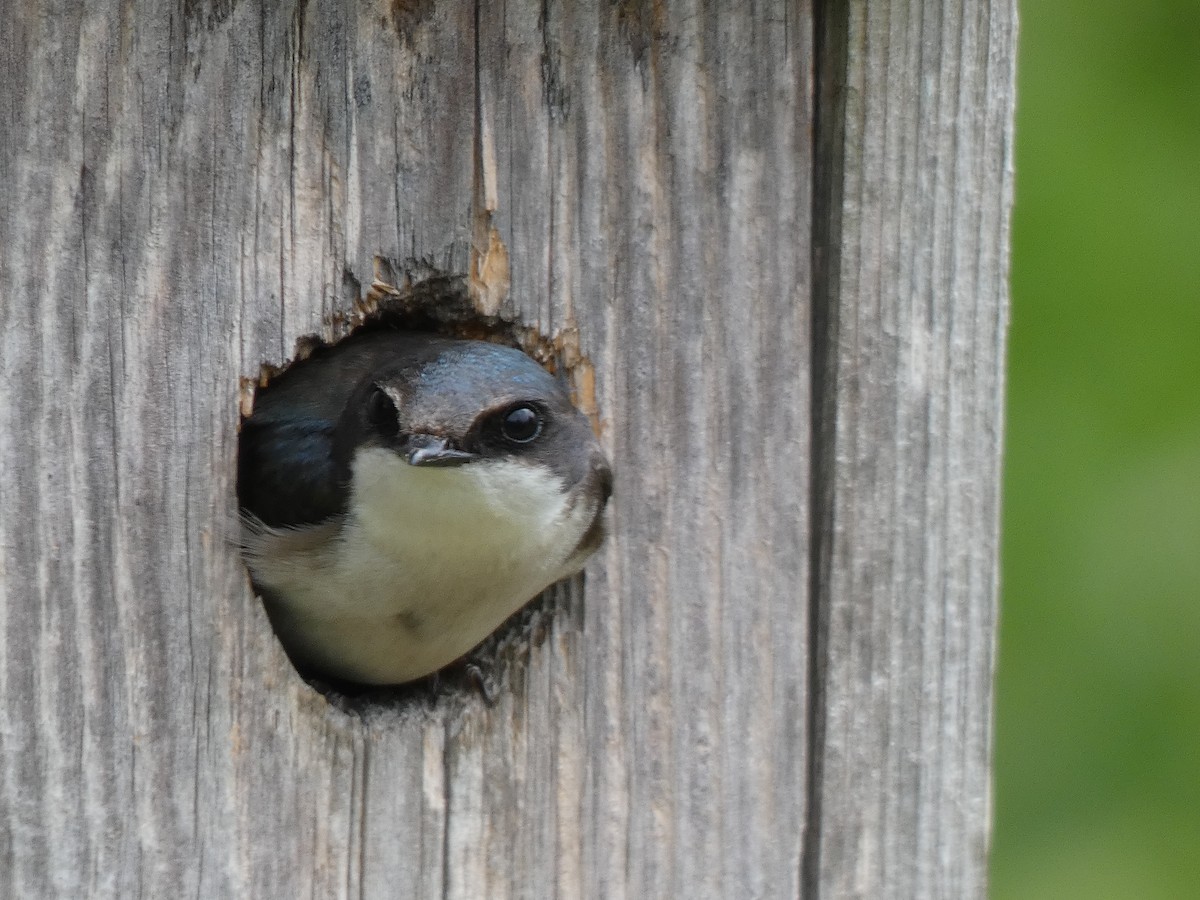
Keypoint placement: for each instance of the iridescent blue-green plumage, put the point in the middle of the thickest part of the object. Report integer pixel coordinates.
(293, 468)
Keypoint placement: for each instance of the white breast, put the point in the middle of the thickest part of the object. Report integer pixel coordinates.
(427, 564)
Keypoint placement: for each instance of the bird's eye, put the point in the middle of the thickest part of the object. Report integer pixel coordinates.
(521, 424)
(381, 412)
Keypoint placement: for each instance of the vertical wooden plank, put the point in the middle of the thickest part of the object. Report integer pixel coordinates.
(914, 185)
(193, 189)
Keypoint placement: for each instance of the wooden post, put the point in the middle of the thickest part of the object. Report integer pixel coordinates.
(780, 236)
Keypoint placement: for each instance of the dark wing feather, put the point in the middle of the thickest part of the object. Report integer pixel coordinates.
(286, 472)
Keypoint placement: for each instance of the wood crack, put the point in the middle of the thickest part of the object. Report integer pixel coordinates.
(830, 30)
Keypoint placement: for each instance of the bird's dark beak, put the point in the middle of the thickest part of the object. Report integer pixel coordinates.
(428, 450)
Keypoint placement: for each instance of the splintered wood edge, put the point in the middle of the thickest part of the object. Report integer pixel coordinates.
(448, 305)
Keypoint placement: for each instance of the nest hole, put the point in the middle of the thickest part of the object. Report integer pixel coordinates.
(441, 304)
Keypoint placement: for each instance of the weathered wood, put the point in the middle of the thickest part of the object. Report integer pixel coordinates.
(912, 208)
(188, 191)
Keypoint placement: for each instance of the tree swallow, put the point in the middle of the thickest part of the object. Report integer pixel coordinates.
(402, 494)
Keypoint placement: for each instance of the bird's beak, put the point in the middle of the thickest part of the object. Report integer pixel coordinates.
(428, 450)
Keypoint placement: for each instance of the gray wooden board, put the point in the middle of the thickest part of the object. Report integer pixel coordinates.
(913, 195)
(189, 190)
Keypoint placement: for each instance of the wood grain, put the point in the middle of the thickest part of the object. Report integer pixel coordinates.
(190, 189)
(913, 195)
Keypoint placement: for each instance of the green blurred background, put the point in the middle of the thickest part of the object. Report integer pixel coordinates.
(1098, 709)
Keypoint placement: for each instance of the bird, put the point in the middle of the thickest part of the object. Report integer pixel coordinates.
(401, 494)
